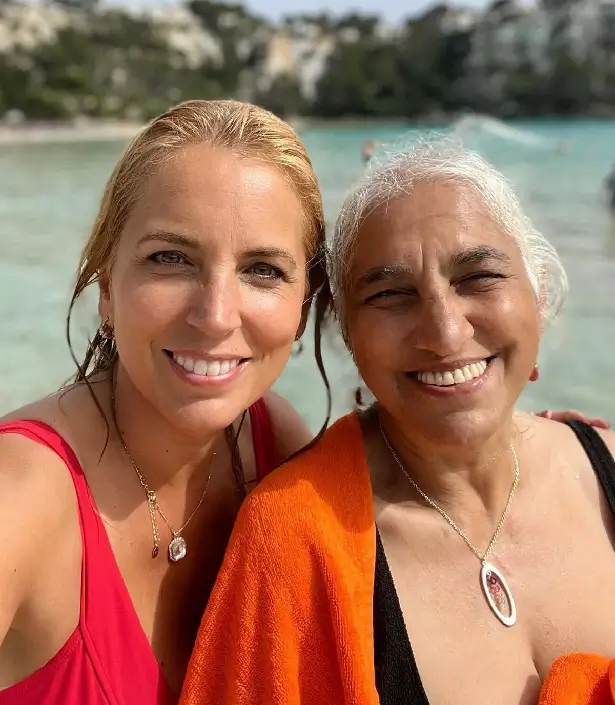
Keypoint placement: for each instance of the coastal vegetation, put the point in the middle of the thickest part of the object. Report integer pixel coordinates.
(79, 59)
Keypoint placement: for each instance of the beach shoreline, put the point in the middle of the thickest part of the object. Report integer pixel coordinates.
(37, 133)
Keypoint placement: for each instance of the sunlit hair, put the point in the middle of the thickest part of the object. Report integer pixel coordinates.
(246, 130)
(439, 159)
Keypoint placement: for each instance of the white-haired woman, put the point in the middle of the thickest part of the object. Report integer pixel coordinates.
(439, 547)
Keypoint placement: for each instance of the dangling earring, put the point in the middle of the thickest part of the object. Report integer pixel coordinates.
(106, 349)
(534, 374)
(106, 330)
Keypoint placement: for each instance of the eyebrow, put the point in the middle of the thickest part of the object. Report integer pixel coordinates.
(478, 255)
(190, 241)
(474, 255)
(171, 238)
(384, 273)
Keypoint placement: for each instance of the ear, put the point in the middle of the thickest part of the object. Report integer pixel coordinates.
(105, 310)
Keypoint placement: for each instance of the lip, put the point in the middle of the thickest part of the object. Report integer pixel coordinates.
(202, 355)
(455, 390)
(452, 365)
(203, 380)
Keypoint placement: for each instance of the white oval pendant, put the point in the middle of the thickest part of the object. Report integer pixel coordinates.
(177, 549)
(498, 594)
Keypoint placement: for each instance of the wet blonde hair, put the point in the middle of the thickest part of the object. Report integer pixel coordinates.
(246, 130)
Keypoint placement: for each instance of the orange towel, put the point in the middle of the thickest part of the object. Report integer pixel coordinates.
(579, 679)
(294, 625)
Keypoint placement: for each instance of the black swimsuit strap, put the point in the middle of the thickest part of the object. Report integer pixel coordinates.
(599, 456)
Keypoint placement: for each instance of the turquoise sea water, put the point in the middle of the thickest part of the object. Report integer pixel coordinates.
(49, 194)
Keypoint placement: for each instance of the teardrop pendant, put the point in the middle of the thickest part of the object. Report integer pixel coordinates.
(498, 595)
(177, 549)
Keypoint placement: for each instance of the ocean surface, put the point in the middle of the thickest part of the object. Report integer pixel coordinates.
(49, 194)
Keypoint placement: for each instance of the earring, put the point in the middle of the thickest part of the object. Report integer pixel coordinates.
(534, 374)
(106, 330)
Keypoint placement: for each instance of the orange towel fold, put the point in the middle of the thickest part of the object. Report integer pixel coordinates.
(579, 679)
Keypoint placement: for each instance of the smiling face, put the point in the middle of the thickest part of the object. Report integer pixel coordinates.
(442, 320)
(207, 284)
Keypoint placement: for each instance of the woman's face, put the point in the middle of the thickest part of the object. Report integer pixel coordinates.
(443, 322)
(206, 289)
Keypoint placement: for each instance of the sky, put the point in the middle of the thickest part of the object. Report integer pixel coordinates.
(390, 9)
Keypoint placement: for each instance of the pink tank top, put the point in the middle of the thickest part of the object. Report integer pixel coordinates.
(107, 660)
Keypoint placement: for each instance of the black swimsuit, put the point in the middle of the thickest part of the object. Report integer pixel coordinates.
(398, 681)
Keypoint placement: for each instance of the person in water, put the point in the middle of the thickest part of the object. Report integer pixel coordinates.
(440, 531)
(369, 147)
(118, 493)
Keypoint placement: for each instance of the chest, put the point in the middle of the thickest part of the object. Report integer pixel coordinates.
(169, 598)
(560, 567)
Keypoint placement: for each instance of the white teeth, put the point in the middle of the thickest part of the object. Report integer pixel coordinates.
(203, 368)
(458, 376)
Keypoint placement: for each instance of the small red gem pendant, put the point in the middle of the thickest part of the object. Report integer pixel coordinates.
(498, 594)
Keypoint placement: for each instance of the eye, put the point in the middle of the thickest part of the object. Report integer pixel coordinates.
(481, 278)
(386, 295)
(170, 258)
(263, 270)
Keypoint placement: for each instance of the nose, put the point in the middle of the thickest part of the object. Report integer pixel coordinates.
(215, 308)
(443, 327)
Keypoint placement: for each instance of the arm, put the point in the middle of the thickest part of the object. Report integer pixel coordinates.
(573, 415)
(20, 502)
(35, 495)
(291, 431)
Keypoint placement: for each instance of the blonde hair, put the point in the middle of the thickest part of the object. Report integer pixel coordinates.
(244, 129)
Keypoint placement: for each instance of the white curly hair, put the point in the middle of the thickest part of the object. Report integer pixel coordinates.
(435, 159)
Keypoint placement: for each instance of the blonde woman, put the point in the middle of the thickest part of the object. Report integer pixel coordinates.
(117, 495)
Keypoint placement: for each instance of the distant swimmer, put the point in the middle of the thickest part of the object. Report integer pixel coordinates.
(368, 150)
(610, 187)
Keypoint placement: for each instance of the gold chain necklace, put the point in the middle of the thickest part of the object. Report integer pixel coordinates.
(177, 548)
(495, 588)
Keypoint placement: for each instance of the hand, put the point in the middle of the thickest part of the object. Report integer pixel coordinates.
(572, 415)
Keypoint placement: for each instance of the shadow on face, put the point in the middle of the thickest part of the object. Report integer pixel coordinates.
(206, 289)
(442, 319)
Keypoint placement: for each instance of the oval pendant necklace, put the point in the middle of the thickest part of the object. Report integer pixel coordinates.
(177, 548)
(496, 590)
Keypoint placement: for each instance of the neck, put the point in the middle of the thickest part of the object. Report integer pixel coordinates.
(164, 454)
(471, 478)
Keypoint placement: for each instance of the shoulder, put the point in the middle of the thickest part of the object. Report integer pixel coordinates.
(37, 503)
(290, 430)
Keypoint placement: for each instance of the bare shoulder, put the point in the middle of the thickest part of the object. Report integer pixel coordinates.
(291, 431)
(37, 501)
(558, 455)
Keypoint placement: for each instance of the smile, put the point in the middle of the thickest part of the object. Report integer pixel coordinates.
(211, 368)
(454, 376)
